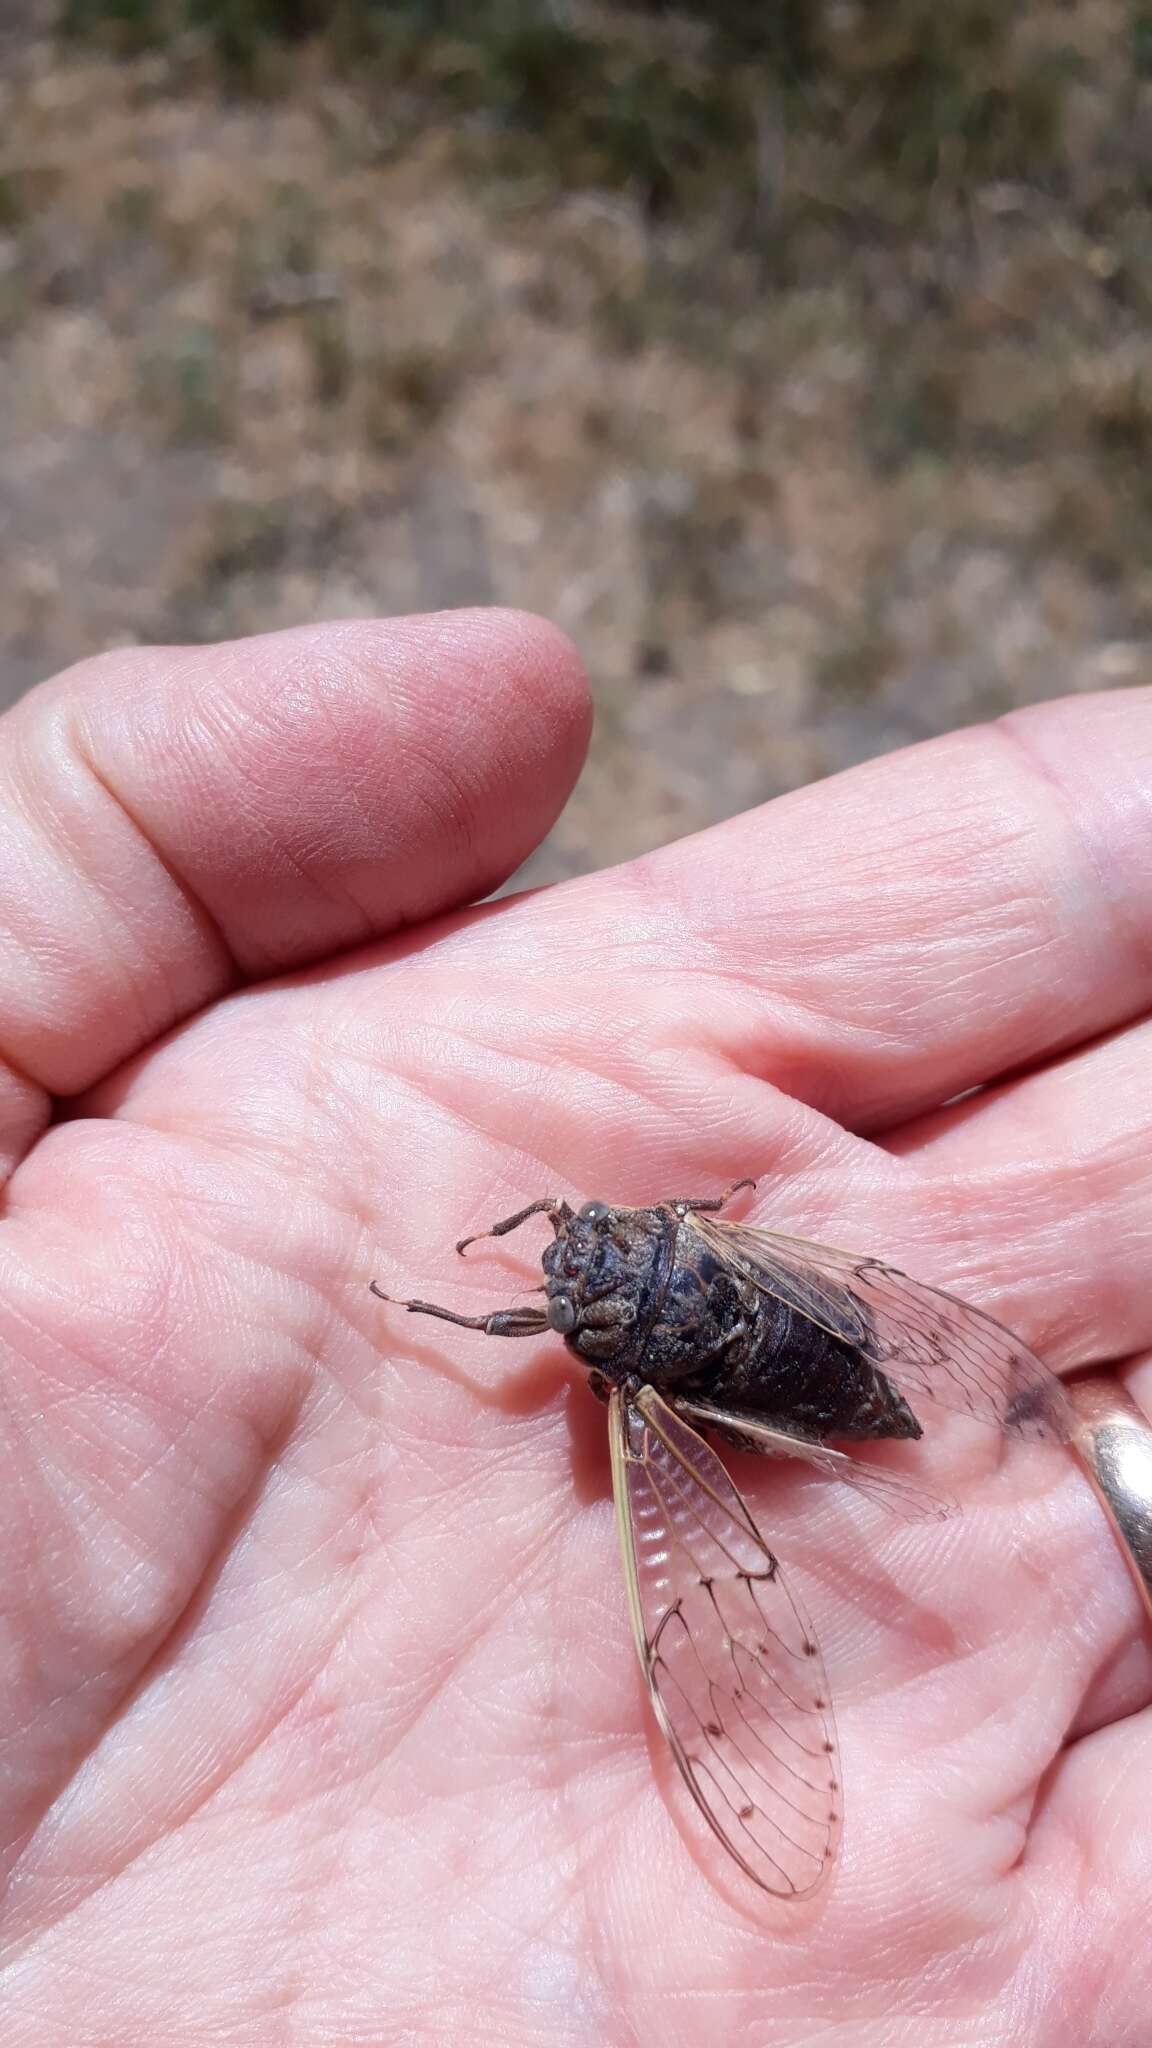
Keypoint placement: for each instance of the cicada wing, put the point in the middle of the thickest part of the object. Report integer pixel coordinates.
(926, 1341)
(732, 1666)
(892, 1491)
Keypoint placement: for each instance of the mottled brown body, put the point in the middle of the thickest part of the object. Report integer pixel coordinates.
(638, 1294)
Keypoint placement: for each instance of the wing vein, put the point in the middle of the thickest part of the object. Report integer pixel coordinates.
(730, 1661)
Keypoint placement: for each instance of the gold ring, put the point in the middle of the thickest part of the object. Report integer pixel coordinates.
(1113, 1440)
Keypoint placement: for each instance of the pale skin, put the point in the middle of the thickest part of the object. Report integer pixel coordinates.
(321, 1721)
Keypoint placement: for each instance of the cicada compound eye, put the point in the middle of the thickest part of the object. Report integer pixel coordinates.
(594, 1212)
(561, 1314)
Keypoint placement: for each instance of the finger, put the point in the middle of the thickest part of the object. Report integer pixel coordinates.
(883, 940)
(1048, 1180)
(171, 818)
(1089, 1873)
(1090, 1822)
(1039, 1195)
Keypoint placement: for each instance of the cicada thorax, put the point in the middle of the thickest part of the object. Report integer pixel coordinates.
(638, 1294)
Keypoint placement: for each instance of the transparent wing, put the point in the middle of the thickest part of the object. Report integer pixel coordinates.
(735, 1676)
(892, 1491)
(926, 1341)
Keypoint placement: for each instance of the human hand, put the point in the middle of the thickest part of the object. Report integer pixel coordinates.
(321, 1719)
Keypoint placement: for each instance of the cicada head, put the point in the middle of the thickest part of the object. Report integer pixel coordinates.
(596, 1275)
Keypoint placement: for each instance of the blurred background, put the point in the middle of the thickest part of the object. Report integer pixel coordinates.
(791, 354)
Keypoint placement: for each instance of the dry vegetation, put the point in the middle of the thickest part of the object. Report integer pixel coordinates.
(799, 370)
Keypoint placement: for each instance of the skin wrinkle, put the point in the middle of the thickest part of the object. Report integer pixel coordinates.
(311, 866)
(204, 924)
(793, 1047)
(76, 1513)
(280, 857)
(726, 963)
(457, 813)
(560, 1785)
(1015, 732)
(630, 1088)
(1081, 1185)
(49, 816)
(269, 1457)
(456, 1663)
(531, 1551)
(519, 1942)
(426, 1092)
(868, 966)
(775, 1042)
(732, 974)
(99, 1372)
(211, 1147)
(157, 1656)
(429, 1453)
(174, 1821)
(791, 1050)
(441, 1034)
(122, 1401)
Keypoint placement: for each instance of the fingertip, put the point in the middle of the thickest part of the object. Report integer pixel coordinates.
(170, 815)
(512, 689)
(394, 767)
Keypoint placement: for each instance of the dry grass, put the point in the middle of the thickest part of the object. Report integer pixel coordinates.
(801, 376)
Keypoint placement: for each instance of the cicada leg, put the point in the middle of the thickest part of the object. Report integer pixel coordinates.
(686, 1205)
(503, 1322)
(548, 1205)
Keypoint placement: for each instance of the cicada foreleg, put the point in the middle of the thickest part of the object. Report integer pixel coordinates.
(693, 1205)
(547, 1205)
(503, 1322)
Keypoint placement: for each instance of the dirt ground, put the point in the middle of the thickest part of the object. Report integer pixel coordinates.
(800, 492)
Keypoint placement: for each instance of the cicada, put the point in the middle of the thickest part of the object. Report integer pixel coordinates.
(686, 1322)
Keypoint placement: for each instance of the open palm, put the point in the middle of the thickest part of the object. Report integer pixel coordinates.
(321, 1722)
